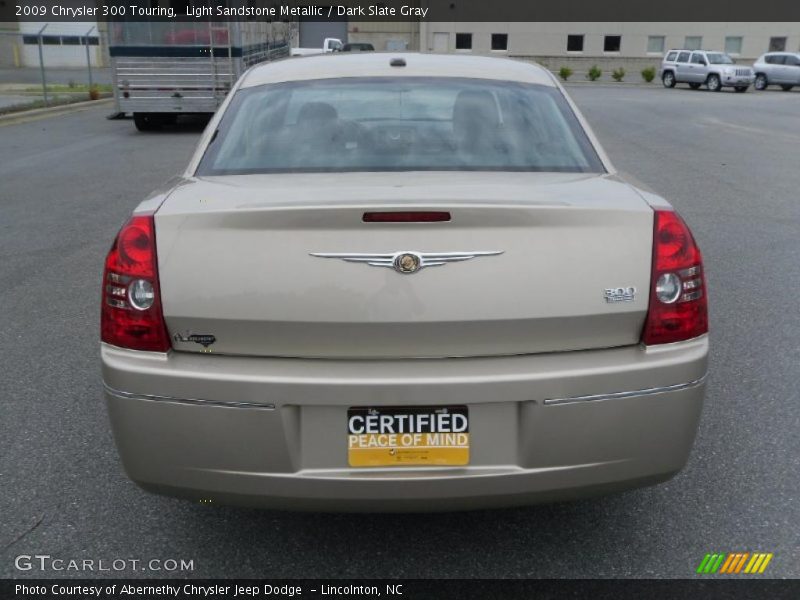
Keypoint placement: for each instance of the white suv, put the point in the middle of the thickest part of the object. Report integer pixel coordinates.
(698, 67)
(777, 68)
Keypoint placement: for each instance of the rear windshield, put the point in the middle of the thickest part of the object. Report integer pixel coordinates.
(398, 124)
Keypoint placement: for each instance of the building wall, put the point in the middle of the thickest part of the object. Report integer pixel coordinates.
(549, 40)
(62, 53)
(385, 35)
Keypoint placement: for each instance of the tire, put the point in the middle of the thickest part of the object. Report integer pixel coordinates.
(787, 88)
(668, 79)
(694, 86)
(760, 83)
(153, 121)
(741, 88)
(713, 83)
(147, 121)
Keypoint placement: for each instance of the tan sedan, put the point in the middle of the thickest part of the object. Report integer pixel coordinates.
(402, 282)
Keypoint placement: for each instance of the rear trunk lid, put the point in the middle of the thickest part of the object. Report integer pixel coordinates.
(236, 262)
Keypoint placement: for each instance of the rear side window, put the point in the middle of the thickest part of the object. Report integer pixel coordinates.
(399, 124)
(671, 56)
(683, 57)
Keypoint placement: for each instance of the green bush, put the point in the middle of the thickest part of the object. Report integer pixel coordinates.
(648, 74)
(594, 73)
(565, 73)
(618, 74)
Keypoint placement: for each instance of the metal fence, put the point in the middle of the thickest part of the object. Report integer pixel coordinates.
(50, 68)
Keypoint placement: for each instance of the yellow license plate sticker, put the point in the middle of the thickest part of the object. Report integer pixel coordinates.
(408, 436)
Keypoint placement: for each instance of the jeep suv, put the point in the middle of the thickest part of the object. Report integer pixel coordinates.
(698, 67)
(777, 68)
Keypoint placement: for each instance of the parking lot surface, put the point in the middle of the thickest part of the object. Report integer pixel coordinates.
(728, 162)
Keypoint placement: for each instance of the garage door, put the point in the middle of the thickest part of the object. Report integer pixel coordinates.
(441, 41)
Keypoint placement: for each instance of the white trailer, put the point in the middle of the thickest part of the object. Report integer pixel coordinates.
(163, 69)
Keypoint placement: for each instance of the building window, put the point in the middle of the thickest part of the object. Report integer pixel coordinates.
(463, 41)
(612, 43)
(575, 43)
(733, 44)
(499, 41)
(693, 42)
(655, 44)
(60, 40)
(777, 44)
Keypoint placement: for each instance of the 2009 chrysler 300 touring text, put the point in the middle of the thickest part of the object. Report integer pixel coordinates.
(401, 283)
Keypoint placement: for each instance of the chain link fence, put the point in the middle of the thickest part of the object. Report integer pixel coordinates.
(40, 67)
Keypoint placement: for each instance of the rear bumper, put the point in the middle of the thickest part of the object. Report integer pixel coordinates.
(272, 432)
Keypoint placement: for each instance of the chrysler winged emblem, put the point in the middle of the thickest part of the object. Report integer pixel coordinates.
(407, 261)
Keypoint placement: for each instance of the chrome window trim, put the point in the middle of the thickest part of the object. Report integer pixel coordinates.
(630, 394)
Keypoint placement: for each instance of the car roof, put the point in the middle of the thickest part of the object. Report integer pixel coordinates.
(335, 65)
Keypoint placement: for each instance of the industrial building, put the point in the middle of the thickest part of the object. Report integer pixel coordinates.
(578, 45)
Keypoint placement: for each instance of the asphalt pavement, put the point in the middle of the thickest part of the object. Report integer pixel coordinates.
(727, 161)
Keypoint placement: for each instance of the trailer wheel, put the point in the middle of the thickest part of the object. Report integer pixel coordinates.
(147, 121)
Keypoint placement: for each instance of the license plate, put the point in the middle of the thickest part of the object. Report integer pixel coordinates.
(405, 436)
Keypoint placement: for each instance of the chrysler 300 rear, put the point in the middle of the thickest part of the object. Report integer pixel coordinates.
(399, 283)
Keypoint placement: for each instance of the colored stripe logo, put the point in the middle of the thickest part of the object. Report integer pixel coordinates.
(734, 563)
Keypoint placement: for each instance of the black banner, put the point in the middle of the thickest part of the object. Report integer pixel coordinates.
(399, 10)
(401, 589)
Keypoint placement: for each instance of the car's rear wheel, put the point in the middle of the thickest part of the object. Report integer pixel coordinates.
(668, 79)
(713, 83)
(694, 86)
(741, 88)
(787, 88)
(760, 82)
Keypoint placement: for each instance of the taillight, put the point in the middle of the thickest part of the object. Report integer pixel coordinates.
(678, 308)
(131, 315)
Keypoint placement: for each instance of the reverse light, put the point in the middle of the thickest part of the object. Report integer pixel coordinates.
(678, 307)
(131, 315)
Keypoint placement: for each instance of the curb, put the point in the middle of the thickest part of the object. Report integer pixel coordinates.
(611, 84)
(52, 110)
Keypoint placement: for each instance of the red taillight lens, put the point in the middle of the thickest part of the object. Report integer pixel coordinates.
(131, 315)
(678, 307)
